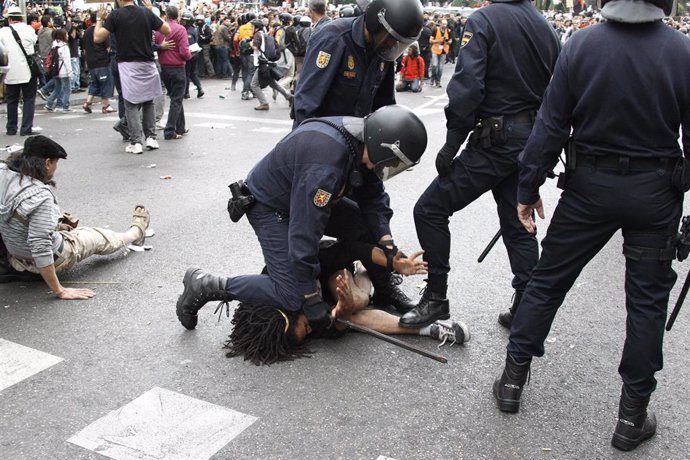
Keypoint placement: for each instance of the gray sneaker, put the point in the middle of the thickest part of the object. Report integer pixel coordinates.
(453, 331)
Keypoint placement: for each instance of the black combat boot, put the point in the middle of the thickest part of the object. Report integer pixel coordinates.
(199, 288)
(506, 319)
(387, 293)
(432, 307)
(635, 424)
(508, 388)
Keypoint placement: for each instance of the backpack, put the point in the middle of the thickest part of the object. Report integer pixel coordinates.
(270, 48)
(280, 39)
(303, 36)
(51, 65)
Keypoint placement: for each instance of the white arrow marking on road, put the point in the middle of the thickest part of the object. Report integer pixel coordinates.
(18, 362)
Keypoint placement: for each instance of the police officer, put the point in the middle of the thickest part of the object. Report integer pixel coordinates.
(348, 66)
(624, 171)
(295, 187)
(507, 57)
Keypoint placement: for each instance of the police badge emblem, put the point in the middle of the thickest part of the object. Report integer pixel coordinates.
(466, 37)
(322, 198)
(350, 62)
(322, 60)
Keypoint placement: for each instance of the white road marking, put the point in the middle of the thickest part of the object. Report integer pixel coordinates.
(213, 125)
(163, 424)
(18, 362)
(239, 118)
(266, 129)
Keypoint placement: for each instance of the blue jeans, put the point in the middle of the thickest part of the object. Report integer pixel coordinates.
(437, 61)
(222, 62)
(60, 94)
(76, 71)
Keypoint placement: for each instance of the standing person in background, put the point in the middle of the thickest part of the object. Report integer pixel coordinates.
(440, 44)
(205, 34)
(245, 35)
(45, 42)
(60, 95)
(19, 82)
(133, 26)
(98, 63)
(425, 47)
(317, 13)
(192, 66)
(73, 40)
(222, 41)
(173, 63)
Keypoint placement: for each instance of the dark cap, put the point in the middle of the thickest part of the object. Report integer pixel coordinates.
(43, 147)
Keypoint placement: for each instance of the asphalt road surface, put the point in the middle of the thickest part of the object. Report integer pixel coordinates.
(117, 375)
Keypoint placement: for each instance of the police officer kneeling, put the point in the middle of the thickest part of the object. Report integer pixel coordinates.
(625, 170)
(294, 189)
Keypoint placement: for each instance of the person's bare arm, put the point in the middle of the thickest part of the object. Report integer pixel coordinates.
(100, 33)
(51, 279)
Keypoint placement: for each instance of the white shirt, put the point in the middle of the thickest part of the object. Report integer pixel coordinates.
(19, 72)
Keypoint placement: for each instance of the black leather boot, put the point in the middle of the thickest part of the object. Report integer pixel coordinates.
(199, 288)
(431, 307)
(388, 293)
(506, 319)
(508, 388)
(635, 424)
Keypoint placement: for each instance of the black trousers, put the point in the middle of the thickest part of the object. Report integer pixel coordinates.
(476, 171)
(191, 69)
(595, 204)
(174, 79)
(27, 92)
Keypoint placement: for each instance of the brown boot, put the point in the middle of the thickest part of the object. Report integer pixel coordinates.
(261, 107)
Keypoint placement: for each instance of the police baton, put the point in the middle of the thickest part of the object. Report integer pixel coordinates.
(679, 303)
(489, 246)
(492, 243)
(392, 340)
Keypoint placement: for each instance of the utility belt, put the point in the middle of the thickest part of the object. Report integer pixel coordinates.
(241, 201)
(489, 131)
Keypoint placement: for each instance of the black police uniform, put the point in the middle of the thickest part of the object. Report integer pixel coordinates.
(295, 187)
(626, 148)
(340, 76)
(505, 63)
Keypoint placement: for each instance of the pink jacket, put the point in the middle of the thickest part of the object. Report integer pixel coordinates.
(178, 56)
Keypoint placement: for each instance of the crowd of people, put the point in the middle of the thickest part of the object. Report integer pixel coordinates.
(514, 103)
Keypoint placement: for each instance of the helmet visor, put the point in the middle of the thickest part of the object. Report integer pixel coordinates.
(388, 44)
(391, 167)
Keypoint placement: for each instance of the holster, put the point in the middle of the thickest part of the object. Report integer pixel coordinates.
(570, 163)
(242, 200)
(488, 131)
(680, 180)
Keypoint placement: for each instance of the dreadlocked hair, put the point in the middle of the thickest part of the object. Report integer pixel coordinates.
(259, 334)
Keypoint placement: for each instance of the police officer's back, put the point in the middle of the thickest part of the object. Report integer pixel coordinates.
(621, 87)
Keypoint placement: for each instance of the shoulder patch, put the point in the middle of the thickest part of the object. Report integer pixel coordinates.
(323, 59)
(322, 198)
(466, 37)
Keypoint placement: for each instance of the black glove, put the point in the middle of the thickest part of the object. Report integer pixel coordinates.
(444, 160)
(318, 313)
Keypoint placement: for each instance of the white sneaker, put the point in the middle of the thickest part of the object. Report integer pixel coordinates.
(134, 148)
(36, 129)
(152, 144)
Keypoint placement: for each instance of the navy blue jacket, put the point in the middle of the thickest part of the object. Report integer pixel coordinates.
(297, 179)
(624, 90)
(507, 55)
(340, 76)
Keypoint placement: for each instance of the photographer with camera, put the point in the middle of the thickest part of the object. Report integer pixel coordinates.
(75, 30)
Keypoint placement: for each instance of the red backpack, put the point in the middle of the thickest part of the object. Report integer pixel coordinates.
(51, 65)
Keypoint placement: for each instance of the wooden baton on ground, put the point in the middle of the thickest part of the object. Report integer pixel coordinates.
(392, 340)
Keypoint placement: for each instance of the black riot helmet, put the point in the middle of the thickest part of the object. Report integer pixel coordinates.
(669, 6)
(395, 139)
(285, 19)
(347, 11)
(296, 19)
(187, 18)
(250, 16)
(393, 25)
